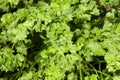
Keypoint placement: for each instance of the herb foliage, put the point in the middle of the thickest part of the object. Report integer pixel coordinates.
(59, 39)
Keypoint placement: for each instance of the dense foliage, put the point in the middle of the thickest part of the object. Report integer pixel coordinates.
(59, 39)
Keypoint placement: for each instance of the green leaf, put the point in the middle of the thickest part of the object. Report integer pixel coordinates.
(15, 2)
